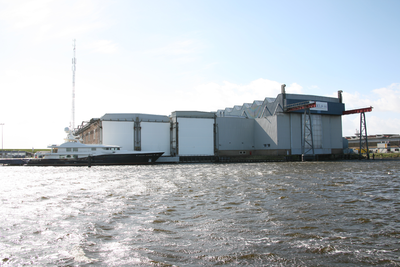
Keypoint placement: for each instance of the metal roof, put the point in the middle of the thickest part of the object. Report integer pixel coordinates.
(193, 114)
(134, 117)
(272, 106)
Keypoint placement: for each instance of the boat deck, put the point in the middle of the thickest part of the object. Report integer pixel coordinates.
(13, 161)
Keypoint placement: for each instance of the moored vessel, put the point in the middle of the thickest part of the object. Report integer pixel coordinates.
(75, 153)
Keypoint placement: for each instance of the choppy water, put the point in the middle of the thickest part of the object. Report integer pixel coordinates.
(271, 214)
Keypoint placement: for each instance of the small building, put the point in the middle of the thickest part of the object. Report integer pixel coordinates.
(130, 131)
(377, 143)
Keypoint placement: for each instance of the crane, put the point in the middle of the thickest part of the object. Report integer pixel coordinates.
(363, 128)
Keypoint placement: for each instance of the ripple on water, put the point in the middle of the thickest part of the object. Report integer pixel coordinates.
(277, 214)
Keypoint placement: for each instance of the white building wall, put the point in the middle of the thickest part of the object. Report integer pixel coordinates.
(195, 136)
(155, 136)
(118, 133)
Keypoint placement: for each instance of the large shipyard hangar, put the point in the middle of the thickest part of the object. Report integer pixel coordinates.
(288, 125)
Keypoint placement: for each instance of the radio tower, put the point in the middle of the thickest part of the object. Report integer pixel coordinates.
(73, 89)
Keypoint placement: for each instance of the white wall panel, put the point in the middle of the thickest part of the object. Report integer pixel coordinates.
(118, 133)
(156, 137)
(195, 136)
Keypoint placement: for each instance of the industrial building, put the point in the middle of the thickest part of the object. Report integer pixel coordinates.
(377, 143)
(131, 131)
(287, 126)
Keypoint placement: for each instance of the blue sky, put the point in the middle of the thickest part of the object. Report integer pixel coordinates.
(157, 57)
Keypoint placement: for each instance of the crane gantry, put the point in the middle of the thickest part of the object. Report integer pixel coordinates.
(363, 129)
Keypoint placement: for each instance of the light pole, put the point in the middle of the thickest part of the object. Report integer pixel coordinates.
(2, 150)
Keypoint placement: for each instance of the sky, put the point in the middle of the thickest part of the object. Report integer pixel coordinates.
(156, 57)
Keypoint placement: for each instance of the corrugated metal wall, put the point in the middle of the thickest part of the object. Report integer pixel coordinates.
(266, 133)
(235, 133)
(295, 133)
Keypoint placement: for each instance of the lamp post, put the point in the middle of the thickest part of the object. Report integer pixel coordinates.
(2, 150)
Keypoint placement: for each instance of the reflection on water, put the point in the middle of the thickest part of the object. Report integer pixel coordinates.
(275, 214)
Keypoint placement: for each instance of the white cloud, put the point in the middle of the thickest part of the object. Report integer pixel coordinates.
(382, 124)
(214, 96)
(211, 65)
(388, 98)
(183, 47)
(103, 46)
(294, 88)
(376, 124)
(384, 116)
(46, 19)
(382, 99)
(180, 51)
(22, 14)
(14, 74)
(178, 48)
(356, 100)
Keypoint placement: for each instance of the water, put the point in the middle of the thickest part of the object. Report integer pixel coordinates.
(272, 214)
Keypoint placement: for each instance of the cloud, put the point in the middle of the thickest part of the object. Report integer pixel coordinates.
(384, 117)
(213, 96)
(294, 88)
(178, 48)
(103, 46)
(356, 100)
(182, 51)
(382, 125)
(388, 99)
(23, 14)
(382, 99)
(211, 65)
(376, 124)
(45, 19)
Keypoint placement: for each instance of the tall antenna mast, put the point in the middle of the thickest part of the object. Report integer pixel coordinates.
(73, 89)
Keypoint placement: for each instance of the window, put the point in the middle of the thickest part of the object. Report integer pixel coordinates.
(75, 149)
(93, 149)
(317, 130)
(68, 149)
(316, 121)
